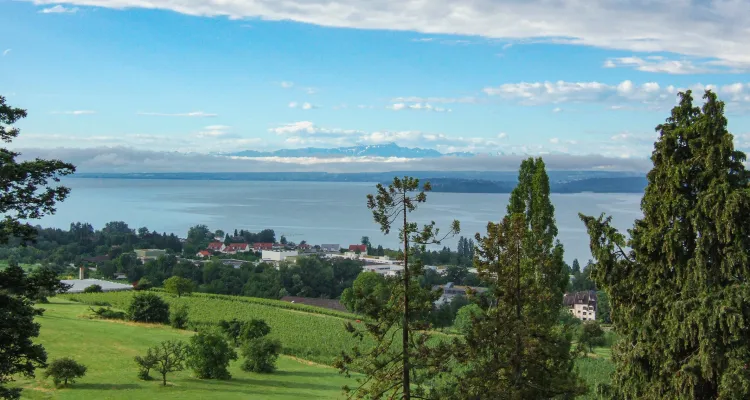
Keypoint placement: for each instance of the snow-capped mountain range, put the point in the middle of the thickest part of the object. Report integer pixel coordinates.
(377, 150)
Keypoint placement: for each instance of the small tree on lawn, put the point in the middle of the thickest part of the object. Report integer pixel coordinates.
(210, 355)
(93, 289)
(164, 358)
(179, 286)
(64, 370)
(591, 335)
(145, 364)
(260, 355)
(148, 307)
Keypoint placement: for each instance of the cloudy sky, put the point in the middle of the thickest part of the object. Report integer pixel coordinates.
(109, 78)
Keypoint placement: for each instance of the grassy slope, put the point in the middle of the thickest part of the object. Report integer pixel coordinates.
(314, 337)
(107, 349)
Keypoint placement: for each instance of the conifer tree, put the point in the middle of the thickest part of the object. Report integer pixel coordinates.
(517, 349)
(393, 371)
(678, 286)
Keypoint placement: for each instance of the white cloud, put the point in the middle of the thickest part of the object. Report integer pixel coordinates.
(427, 39)
(193, 114)
(717, 27)
(507, 46)
(293, 104)
(58, 9)
(554, 140)
(76, 112)
(657, 64)
(311, 90)
(286, 84)
(417, 107)
(308, 106)
(557, 110)
(649, 93)
(6, 51)
(502, 135)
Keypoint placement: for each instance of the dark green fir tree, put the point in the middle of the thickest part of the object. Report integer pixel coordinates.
(678, 286)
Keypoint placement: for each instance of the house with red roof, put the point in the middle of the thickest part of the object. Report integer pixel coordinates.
(215, 246)
(234, 248)
(362, 248)
(262, 246)
(203, 254)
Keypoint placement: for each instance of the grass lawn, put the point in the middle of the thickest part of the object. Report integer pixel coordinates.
(107, 349)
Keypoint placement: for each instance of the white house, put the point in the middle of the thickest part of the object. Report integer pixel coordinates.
(277, 256)
(450, 291)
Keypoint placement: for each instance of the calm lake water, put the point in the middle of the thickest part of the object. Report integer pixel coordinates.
(319, 212)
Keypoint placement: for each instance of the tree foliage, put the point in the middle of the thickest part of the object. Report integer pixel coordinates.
(678, 286)
(591, 335)
(28, 186)
(391, 370)
(466, 316)
(210, 356)
(517, 350)
(179, 286)
(19, 355)
(148, 307)
(368, 294)
(260, 355)
(178, 318)
(64, 370)
(166, 357)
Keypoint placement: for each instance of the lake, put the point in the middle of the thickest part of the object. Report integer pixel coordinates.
(319, 212)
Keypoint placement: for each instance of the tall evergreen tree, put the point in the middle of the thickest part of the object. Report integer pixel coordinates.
(393, 371)
(517, 349)
(678, 286)
(28, 193)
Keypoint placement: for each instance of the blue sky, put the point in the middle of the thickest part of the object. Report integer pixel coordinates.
(531, 77)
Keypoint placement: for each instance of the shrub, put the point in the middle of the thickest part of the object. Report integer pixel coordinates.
(145, 364)
(144, 284)
(465, 317)
(64, 370)
(210, 355)
(178, 318)
(261, 355)
(148, 307)
(93, 289)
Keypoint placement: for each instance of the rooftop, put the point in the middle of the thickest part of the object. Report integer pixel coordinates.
(107, 286)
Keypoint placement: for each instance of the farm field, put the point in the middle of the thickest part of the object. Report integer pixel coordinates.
(107, 348)
(318, 337)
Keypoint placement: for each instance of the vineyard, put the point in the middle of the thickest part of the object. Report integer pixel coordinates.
(307, 332)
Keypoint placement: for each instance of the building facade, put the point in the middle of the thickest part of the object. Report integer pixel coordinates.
(581, 305)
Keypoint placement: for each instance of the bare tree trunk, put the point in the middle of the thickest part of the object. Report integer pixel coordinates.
(405, 328)
(517, 362)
